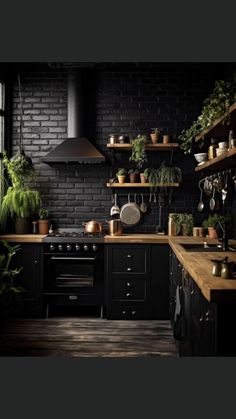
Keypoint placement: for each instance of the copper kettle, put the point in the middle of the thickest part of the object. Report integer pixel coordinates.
(115, 227)
(92, 227)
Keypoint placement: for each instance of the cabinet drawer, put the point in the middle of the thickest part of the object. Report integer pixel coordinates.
(129, 260)
(128, 289)
(128, 313)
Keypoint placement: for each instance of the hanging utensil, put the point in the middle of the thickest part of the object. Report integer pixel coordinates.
(143, 205)
(224, 189)
(130, 213)
(159, 229)
(150, 197)
(212, 202)
(115, 208)
(201, 203)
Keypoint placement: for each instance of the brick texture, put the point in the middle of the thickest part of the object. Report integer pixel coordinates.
(127, 99)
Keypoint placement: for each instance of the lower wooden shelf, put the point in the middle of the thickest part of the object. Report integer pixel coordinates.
(140, 185)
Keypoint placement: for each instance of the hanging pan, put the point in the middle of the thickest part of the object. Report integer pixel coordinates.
(130, 213)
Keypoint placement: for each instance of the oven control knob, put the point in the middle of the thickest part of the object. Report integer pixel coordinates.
(52, 247)
(60, 247)
(86, 248)
(68, 247)
(77, 247)
(95, 248)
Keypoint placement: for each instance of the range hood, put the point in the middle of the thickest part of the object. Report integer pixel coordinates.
(76, 148)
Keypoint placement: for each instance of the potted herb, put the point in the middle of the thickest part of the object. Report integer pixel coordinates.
(43, 221)
(214, 106)
(10, 291)
(19, 201)
(211, 223)
(133, 175)
(155, 134)
(184, 223)
(121, 175)
(138, 154)
(144, 176)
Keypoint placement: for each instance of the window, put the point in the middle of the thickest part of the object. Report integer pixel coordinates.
(2, 116)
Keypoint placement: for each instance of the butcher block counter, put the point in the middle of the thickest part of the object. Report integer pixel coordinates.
(23, 238)
(137, 238)
(199, 266)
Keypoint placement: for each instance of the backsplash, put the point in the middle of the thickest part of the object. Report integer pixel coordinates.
(123, 98)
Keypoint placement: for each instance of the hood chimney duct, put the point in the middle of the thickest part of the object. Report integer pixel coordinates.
(76, 104)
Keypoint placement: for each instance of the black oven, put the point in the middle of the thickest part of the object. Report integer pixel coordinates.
(73, 275)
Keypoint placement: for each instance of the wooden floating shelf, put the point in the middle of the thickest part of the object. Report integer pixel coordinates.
(221, 162)
(218, 121)
(140, 185)
(152, 147)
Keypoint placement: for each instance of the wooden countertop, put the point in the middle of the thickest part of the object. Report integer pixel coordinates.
(137, 238)
(199, 266)
(23, 238)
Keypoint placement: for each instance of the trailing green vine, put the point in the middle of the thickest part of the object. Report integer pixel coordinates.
(214, 106)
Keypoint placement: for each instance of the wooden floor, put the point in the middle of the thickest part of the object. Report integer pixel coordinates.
(86, 337)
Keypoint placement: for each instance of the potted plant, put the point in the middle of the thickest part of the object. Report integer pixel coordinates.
(121, 175)
(133, 175)
(138, 154)
(20, 201)
(184, 223)
(144, 176)
(43, 221)
(155, 134)
(10, 292)
(210, 224)
(164, 175)
(214, 106)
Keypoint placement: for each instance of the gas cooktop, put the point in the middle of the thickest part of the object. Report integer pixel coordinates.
(73, 236)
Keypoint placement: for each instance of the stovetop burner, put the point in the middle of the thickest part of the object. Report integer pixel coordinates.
(69, 235)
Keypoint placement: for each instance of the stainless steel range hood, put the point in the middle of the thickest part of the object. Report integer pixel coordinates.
(76, 148)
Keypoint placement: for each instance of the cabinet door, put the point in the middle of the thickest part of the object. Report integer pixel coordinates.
(130, 260)
(160, 280)
(30, 278)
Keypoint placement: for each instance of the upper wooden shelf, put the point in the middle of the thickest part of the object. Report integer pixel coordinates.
(225, 161)
(152, 147)
(140, 185)
(216, 126)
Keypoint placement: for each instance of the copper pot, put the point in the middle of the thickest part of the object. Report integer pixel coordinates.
(92, 227)
(115, 227)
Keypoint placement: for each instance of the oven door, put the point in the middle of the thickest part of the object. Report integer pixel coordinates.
(77, 278)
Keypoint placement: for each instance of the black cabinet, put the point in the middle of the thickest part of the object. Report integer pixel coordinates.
(30, 257)
(136, 281)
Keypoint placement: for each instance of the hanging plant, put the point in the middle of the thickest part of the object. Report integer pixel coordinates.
(138, 154)
(214, 106)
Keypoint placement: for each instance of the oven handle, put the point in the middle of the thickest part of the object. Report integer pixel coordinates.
(70, 258)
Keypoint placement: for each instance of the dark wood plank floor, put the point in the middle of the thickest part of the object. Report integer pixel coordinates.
(86, 337)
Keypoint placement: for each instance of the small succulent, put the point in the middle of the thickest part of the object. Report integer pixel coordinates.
(43, 213)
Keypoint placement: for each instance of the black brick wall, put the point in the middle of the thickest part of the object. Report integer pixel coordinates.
(125, 98)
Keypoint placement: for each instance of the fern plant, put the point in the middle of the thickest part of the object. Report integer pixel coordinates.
(19, 200)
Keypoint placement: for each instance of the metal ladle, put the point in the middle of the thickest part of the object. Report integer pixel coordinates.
(201, 203)
(143, 205)
(212, 202)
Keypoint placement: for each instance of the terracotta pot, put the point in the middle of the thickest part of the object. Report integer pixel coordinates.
(143, 178)
(22, 225)
(121, 179)
(166, 139)
(133, 177)
(43, 226)
(212, 233)
(154, 137)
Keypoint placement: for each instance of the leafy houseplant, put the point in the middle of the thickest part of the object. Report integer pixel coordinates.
(211, 223)
(121, 174)
(184, 223)
(43, 221)
(214, 106)
(164, 175)
(133, 175)
(19, 201)
(10, 292)
(138, 153)
(155, 134)
(144, 176)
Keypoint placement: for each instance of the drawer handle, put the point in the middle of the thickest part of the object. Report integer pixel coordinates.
(129, 256)
(128, 284)
(73, 297)
(201, 319)
(124, 312)
(192, 292)
(128, 294)
(133, 312)
(129, 269)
